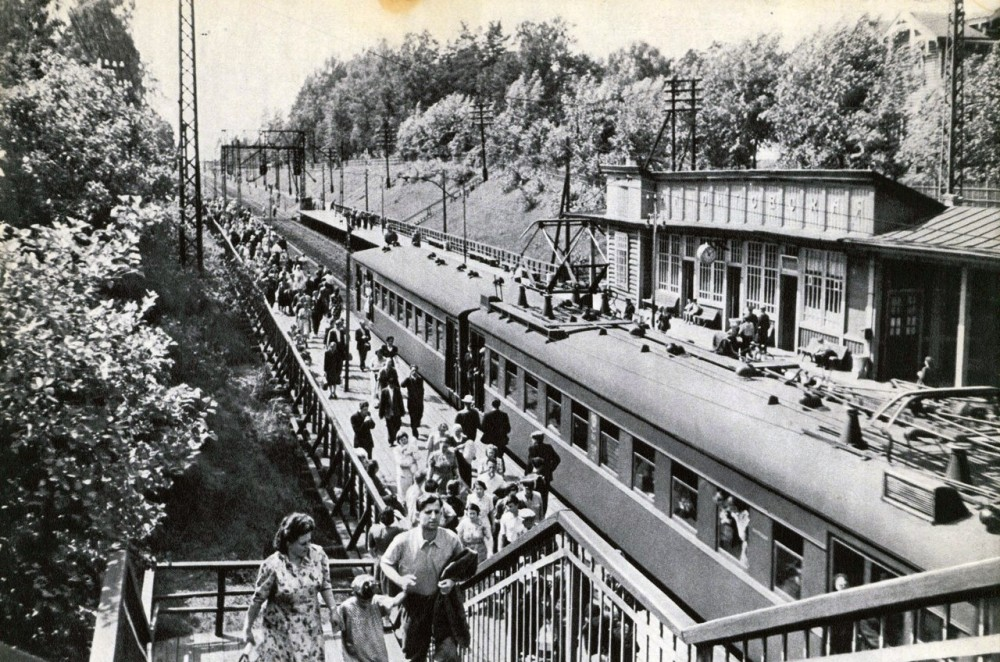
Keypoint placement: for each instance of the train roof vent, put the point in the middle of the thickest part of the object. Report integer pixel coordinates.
(927, 498)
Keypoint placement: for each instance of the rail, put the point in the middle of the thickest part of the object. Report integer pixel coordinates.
(217, 601)
(356, 500)
(563, 593)
(122, 632)
(501, 257)
(941, 613)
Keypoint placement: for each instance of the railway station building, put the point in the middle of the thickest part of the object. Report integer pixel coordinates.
(863, 263)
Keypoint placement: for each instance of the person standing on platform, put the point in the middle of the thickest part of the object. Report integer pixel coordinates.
(390, 408)
(388, 350)
(406, 465)
(496, 428)
(363, 343)
(763, 330)
(468, 418)
(333, 361)
(549, 462)
(362, 423)
(414, 385)
(415, 561)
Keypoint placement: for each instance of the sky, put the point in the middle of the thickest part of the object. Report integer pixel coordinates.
(254, 55)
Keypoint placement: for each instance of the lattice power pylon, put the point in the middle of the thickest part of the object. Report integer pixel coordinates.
(189, 162)
(956, 97)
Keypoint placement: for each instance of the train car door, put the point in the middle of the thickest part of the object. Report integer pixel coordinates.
(904, 310)
(787, 312)
(452, 357)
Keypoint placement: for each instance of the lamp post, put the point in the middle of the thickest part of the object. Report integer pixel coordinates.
(465, 233)
(444, 195)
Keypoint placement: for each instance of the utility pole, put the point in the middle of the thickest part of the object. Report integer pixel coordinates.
(386, 140)
(465, 232)
(383, 207)
(366, 186)
(483, 117)
(322, 185)
(342, 176)
(347, 311)
(444, 204)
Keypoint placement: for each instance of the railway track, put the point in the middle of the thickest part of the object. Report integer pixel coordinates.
(319, 248)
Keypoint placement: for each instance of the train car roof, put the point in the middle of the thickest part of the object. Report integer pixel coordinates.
(441, 285)
(694, 400)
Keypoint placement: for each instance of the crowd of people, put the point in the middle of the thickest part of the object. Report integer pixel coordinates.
(452, 505)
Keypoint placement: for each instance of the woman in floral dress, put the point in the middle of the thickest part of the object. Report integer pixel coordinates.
(286, 588)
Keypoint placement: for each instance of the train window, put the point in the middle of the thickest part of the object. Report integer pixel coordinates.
(643, 467)
(494, 373)
(580, 429)
(553, 407)
(509, 379)
(531, 394)
(400, 303)
(418, 323)
(409, 315)
(608, 451)
(786, 572)
(853, 568)
(684, 494)
(734, 525)
(392, 304)
(438, 335)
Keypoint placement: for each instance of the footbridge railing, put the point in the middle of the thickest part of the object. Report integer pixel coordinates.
(356, 502)
(563, 593)
(938, 614)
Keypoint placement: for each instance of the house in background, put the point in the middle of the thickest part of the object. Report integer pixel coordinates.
(929, 33)
(847, 256)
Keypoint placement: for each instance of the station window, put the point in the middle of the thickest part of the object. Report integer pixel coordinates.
(418, 323)
(607, 455)
(734, 526)
(531, 394)
(643, 467)
(684, 494)
(786, 572)
(509, 379)
(409, 315)
(553, 408)
(580, 429)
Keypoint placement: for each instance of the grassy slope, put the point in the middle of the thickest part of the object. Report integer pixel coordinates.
(494, 216)
(228, 505)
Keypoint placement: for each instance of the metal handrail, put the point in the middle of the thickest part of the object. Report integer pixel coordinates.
(317, 417)
(926, 589)
(458, 244)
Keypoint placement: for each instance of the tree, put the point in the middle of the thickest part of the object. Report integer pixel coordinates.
(638, 61)
(982, 156)
(738, 88)
(91, 430)
(444, 131)
(73, 144)
(840, 100)
(28, 30)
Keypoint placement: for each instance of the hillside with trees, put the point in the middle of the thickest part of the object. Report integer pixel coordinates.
(836, 99)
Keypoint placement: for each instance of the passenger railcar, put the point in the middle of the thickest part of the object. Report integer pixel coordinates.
(726, 490)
